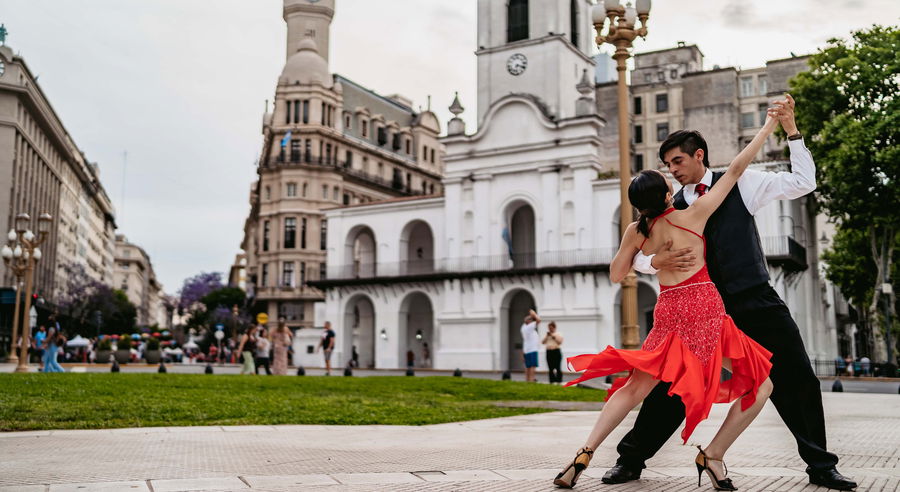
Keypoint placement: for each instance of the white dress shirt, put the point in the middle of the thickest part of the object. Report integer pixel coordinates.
(758, 189)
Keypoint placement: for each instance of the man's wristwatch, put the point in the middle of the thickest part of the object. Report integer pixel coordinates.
(796, 136)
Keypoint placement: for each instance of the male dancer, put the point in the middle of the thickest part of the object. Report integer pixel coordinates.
(737, 266)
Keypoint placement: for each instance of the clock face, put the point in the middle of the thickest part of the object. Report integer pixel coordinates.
(516, 64)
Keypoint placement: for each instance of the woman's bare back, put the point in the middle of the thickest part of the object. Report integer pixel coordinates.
(663, 230)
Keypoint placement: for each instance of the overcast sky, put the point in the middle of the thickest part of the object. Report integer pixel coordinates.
(180, 86)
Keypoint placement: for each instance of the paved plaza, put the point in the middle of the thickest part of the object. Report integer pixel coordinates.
(510, 454)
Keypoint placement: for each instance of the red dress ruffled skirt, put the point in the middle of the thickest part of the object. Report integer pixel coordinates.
(691, 335)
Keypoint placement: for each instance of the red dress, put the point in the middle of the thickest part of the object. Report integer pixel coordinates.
(691, 335)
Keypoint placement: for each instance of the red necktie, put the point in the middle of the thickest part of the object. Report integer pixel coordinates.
(701, 189)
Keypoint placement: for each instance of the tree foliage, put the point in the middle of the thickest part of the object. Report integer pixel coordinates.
(849, 108)
(89, 307)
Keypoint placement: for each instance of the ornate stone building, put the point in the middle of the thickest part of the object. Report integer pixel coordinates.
(327, 142)
(42, 170)
(134, 275)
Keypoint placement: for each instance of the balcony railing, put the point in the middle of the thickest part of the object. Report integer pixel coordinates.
(497, 263)
(784, 251)
(342, 167)
(779, 250)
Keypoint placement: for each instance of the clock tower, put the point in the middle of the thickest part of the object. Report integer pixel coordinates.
(308, 19)
(535, 47)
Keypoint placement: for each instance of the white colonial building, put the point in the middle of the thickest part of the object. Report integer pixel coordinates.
(528, 219)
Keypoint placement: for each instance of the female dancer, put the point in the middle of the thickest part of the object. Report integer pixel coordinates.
(692, 337)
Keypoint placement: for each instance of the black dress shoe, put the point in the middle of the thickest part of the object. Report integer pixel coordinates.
(621, 474)
(830, 478)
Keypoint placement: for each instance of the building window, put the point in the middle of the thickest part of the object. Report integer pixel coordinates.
(302, 273)
(763, 85)
(291, 190)
(290, 109)
(747, 120)
(347, 122)
(335, 192)
(516, 20)
(431, 189)
(573, 21)
(323, 235)
(303, 233)
(305, 189)
(325, 192)
(323, 269)
(638, 134)
(306, 111)
(268, 193)
(287, 274)
(324, 113)
(662, 131)
(763, 110)
(673, 74)
(661, 76)
(348, 162)
(307, 151)
(290, 233)
(265, 274)
(638, 105)
(662, 103)
(408, 146)
(328, 153)
(265, 235)
(295, 150)
(365, 129)
(432, 156)
(638, 163)
(746, 86)
(382, 136)
(648, 77)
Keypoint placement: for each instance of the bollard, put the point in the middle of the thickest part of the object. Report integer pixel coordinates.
(506, 376)
(162, 368)
(457, 373)
(115, 366)
(410, 372)
(838, 386)
(301, 371)
(348, 371)
(209, 368)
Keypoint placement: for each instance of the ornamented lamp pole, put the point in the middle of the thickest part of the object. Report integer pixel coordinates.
(21, 254)
(620, 32)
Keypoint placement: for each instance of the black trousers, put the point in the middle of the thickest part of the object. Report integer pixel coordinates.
(796, 395)
(554, 358)
(262, 362)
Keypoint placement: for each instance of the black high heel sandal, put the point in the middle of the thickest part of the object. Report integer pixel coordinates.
(567, 478)
(702, 462)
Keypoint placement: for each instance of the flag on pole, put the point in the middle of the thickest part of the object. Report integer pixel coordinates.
(286, 139)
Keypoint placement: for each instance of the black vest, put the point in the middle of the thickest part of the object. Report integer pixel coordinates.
(734, 255)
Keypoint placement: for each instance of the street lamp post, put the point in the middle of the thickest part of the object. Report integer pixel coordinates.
(23, 251)
(15, 261)
(619, 25)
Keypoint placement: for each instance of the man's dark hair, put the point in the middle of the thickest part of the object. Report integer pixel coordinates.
(686, 140)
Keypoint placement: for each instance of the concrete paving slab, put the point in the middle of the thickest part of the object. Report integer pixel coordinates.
(205, 484)
(282, 481)
(460, 476)
(375, 478)
(544, 474)
(131, 486)
(24, 488)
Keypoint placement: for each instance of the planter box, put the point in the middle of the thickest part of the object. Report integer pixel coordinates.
(153, 356)
(103, 356)
(123, 356)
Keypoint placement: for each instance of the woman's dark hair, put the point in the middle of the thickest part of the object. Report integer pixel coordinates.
(688, 141)
(647, 193)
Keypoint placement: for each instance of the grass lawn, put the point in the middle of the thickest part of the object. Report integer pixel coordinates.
(106, 400)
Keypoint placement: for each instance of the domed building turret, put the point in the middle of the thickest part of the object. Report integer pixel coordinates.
(306, 66)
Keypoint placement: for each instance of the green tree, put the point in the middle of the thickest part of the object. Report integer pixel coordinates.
(850, 100)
